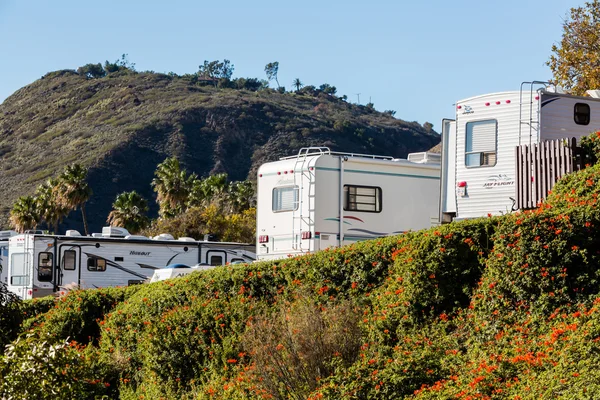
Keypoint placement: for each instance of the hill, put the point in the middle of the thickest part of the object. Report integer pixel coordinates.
(122, 125)
(492, 308)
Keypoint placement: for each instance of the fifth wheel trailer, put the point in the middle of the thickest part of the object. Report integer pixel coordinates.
(320, 198)
(40, 264)
(478, 145)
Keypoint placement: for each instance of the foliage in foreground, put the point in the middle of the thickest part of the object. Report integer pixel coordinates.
(493, 308)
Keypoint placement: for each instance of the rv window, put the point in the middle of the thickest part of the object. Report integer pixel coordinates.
(481, 143)
(96, 264)
(362, 198)
(216, 260)
(18, 275)
(69, 260)
(582, 114)
(45, 266)
(285, 198)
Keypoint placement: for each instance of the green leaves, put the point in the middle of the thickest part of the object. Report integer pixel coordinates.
(575, 62)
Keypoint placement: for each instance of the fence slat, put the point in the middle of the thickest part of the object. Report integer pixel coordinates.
(539, 166)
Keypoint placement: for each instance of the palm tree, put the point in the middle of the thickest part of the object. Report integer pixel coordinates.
(129, 211)
(298, 84)
(50, 208)
(73, 191)
(172, 186)
(203, 191)
(24, 214)
(242, 195)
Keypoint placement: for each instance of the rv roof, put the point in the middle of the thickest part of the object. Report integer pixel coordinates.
(497, 94)
(318, 151)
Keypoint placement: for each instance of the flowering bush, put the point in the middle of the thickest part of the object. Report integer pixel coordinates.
(503, 307)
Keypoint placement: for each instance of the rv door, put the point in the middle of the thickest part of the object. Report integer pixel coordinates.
(448, 181)
(69, 269)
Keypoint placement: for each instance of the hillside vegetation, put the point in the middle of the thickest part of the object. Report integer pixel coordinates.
(503, 307)
(121, 124)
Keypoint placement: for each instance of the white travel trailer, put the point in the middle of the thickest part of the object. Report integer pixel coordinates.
(40, 265)
(4, 236)
(479, 145)
(319, 199)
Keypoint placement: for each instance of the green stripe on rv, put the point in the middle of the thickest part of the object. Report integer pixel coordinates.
(358, 171)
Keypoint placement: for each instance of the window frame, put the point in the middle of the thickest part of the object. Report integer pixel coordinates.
(96, 263)
(39, 267)
(481, 153)
(221, 254)
(24, 280)
(64, 266)
(378, 205)
(296, 200)
(575, 114)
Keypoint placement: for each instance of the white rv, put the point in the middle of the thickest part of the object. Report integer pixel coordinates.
(478, 145)
(319, 199)
(4, 236)
(40, 265)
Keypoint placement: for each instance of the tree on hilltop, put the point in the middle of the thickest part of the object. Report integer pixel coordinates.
(91, 71)
(297, 84)
(119, 65)
(216, 69)
(575, 62)
(328, 89)
(271, 69)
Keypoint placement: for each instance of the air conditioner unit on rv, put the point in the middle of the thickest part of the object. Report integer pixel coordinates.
(7, 234)
(114, 231)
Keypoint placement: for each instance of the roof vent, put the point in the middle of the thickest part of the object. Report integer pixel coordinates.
(72, 232)
(164, 236)
(593, 93)
(425, 157)
(7, 234)
(186, 239)
(136, 237)
(114, 232)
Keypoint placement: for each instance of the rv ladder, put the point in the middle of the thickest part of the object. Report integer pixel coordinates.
(299, 220)
(533, 124)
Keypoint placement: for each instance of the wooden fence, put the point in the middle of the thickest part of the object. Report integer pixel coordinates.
(541, 165)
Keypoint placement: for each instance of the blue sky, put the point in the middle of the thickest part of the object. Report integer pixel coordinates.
(415, 57)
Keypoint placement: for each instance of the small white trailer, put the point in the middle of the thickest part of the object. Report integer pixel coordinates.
(40, 264)
(319, 199)
(479, 144)
(4, 236)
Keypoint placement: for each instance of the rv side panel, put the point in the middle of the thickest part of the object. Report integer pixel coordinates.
(487, 131)
(567, 116)
(448, 178)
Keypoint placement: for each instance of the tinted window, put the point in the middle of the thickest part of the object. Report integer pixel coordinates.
(45, 266)
(582, 114)
(362, 198)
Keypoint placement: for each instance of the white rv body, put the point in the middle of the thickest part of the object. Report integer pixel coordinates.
(478, 147)
(4, 236)
(170, 273)
(40, 265)
(320, 199)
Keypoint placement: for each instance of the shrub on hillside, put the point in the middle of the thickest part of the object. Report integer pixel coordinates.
(434, 272)
(39, 367)
(76, 315)
(301, 344)
(10, 316)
